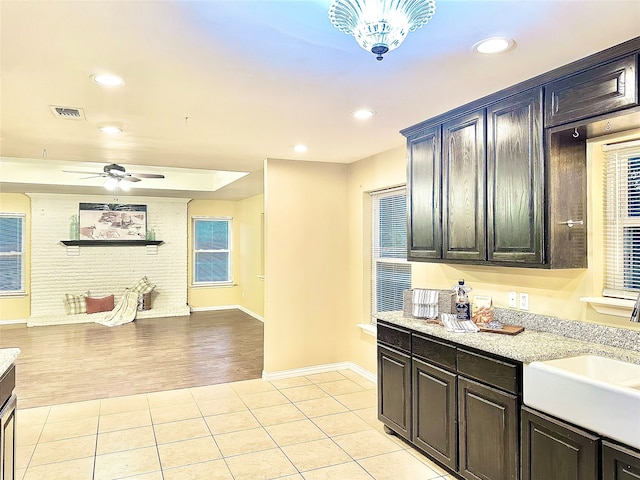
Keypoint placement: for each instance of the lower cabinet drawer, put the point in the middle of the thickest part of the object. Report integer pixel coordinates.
(7, 384)
(492, 371)
(394, 337)
(433, 351)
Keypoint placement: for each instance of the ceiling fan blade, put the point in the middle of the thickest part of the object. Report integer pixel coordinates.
(129, 178)
(148, 175)
(99, 174)
(92, 176)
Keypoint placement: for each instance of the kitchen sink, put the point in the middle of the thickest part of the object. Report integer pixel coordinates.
(597, 393)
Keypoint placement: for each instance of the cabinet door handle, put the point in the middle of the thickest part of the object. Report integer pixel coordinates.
(570, 223)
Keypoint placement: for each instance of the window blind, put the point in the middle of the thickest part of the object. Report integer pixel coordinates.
(390, 272)
(11, 253)
(212, 250)
(622, 220)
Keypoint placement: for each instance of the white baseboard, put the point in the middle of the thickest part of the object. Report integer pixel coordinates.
(328, 367)
(13, 322)
(62, 319)
(249, 312)
(228, 307)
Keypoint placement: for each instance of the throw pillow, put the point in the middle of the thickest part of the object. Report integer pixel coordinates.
(143, 286)
(95, 305)
(74, 304)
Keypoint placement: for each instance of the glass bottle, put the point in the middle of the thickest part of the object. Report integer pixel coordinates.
(463, 310)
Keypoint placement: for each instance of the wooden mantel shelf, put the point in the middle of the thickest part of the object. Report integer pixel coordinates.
(110, 243)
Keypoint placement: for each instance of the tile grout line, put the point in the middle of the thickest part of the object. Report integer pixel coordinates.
(242, 398)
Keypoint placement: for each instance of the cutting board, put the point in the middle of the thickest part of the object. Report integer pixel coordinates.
(506, 330)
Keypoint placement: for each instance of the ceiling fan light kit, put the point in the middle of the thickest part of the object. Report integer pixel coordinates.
(380, 26)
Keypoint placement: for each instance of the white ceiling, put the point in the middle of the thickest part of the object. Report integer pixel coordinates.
(223, 85)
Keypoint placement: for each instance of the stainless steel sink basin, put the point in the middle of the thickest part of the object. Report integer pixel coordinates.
(597, 393)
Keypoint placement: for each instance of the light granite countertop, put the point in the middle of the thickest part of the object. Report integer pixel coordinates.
(526, 347)
(7, 357)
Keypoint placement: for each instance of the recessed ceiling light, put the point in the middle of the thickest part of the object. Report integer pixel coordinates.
(107, 80)
(110, 129)
(300, 148)
(363, 114)
(494, 45)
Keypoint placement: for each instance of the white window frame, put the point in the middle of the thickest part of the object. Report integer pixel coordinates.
(229, 251)
(20, 254)
(617, 218)
(376, 258)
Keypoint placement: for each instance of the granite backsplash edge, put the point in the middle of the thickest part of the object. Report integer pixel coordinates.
(576, 329)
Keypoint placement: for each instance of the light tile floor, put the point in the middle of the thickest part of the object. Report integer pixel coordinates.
(316, 427)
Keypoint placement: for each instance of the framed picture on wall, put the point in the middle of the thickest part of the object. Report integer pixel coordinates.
(112, 221)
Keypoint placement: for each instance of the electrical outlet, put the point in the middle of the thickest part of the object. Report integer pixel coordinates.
(524, 301)
(512, 300)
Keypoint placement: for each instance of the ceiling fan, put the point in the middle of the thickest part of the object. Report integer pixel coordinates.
(114, 174)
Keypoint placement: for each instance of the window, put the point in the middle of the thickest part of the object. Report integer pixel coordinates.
(211, 251)
(391, 273)
(11, 253)
(622, 220)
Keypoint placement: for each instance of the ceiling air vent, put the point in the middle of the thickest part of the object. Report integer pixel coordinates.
(68, 113)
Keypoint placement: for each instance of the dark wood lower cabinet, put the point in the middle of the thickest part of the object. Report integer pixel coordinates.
(555, 450)
(8, 404)
(8, 440)
(487, 432)
(435, 412)
(394, 390)
(619, 463)
(463, 408)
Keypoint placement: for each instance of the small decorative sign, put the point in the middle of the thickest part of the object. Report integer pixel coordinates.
(112, 221)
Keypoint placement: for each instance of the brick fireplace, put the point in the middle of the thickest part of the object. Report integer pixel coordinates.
(105, 270)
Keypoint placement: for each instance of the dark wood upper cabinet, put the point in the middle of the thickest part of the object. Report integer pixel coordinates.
(502, 180)
(566, 179)
(599, 90)
(515, 180)
(463, 187)
(424, 235)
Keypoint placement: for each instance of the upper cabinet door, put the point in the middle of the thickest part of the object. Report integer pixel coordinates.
(463, 184)
(596, 91)
(515, 176)
(424, 234)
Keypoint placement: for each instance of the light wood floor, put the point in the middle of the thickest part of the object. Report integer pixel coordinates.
(71, 363)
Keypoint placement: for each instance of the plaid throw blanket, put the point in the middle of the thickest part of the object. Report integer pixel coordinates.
(123, 312)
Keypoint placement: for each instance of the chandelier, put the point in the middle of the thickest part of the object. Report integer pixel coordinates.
(380, 26)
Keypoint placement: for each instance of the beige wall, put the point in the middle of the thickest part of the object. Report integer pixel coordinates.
(18, 308)
(306, 291)
(250, 257)
(381, 171)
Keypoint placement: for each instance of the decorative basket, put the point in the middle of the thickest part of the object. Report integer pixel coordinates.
(144, 301)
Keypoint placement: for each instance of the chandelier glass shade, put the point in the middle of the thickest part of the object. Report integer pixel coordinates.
(380, 26)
